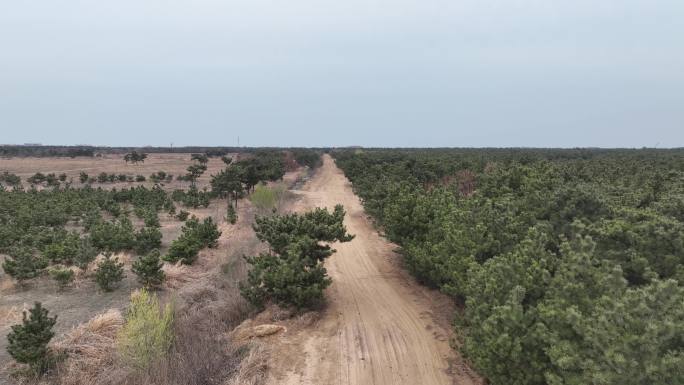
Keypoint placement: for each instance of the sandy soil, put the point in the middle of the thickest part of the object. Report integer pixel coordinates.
(380, 326)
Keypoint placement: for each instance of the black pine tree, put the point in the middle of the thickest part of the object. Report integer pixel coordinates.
(109, 271)
(231, 215)
(28, 341)
(23, 264)
(148, 268)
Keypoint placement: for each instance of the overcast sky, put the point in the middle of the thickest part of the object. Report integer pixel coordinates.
(568, 73)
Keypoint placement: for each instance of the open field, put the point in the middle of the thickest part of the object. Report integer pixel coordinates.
(216, 272)
(171, 163)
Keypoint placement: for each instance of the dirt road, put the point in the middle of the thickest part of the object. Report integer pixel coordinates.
(380, 326)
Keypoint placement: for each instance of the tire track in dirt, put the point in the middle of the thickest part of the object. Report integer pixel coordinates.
(380, 327)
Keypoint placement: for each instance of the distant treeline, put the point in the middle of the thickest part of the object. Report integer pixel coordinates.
(43, 151)
(91, 151)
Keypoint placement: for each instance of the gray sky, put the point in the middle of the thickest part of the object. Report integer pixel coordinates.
(353, 72)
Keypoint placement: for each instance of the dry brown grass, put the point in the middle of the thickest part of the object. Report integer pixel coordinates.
(252, 369)
(11, 314)
(85, 355)
(202, 352)
(89, 348)
(7, 285)
(178, 275)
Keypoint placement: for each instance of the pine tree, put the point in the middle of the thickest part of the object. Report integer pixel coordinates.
(86, 254)
(23, 264)
(27, 342)
(147, 239)
(109, 272)
(231, 215)
(148, 268)
(292, 273)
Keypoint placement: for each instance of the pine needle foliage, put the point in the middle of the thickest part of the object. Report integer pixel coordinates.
(28, 341)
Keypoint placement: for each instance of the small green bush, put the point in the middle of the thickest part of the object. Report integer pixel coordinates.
(62, 276)
(184, 249)
(147, 334)
(64, 249)
(113, 236)
(109, 272)
(182, 215)
(28, 341)
(147, 239)
(23, 264)
(148, 268)
(231, 215)
(86, 254)
(266, 198)
(195, 235)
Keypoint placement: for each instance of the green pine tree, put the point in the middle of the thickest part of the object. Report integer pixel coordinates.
(63, 276)
(148, 268)
(231, 215)
(27, 342)
(86, 254)
(109, 272)
(147, 239)
(22, 264)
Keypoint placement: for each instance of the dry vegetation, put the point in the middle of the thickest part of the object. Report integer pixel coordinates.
(209, 307)
(208, 304)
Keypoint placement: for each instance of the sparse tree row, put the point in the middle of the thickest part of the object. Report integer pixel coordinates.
(570, 263)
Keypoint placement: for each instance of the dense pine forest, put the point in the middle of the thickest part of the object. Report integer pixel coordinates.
(568, 264)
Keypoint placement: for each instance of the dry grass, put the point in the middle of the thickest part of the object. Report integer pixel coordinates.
(252, 369)
(7, 285)
(86, 354)
(202, 352)
(11, 314)
(178, 275)
(89, 348)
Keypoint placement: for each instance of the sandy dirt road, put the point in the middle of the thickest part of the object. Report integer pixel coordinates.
(380, 327)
